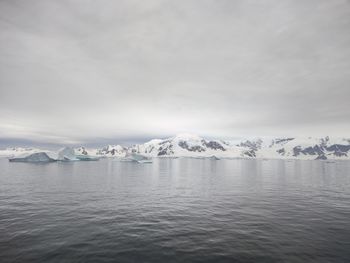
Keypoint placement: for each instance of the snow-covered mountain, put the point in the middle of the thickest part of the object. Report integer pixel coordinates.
(107, 151)
(279, 148)
(298, 148)
(17, 151)
(189, 145)
(113, 151)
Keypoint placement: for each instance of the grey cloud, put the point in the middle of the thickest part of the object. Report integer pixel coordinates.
(72, 71)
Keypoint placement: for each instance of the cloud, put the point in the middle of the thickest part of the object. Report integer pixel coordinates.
(75, 71)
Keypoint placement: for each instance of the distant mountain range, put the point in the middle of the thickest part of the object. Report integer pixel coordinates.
(189, 145)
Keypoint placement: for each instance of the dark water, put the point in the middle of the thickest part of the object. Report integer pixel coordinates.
(181, 210)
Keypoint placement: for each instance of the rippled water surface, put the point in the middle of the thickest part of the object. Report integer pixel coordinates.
(175, 210)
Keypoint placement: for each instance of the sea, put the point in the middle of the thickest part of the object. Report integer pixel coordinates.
(175, 210)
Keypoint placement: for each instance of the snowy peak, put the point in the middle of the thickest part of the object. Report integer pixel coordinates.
(191, 145)
(81, 150)
(181, 145)
(113, 150)
(17, 151)
(186, 137)
(299, 148)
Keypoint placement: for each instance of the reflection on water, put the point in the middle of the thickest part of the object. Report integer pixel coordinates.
(175, 210)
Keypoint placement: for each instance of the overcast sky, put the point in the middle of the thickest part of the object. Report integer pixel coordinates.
(83, 71)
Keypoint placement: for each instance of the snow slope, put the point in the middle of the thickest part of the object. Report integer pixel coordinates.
(187, 145)
(298, 148)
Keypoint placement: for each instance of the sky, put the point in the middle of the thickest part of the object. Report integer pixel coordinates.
(93, 72)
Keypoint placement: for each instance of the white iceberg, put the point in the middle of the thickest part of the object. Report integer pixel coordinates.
(82, 157)
(140, 158)
(39, 157)
(67, 154)
(213, 157)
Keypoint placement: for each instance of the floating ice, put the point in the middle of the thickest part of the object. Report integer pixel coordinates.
(39, 157)
(67, 154)
(140, 158)
(87, 158)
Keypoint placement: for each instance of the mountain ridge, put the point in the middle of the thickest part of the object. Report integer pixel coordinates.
(191, 145)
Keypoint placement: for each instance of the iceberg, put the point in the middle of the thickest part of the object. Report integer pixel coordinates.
(39, 157)
(140, 158)
(87, 158)
(67, 154)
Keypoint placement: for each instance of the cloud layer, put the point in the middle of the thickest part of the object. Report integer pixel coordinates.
(75, 71)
